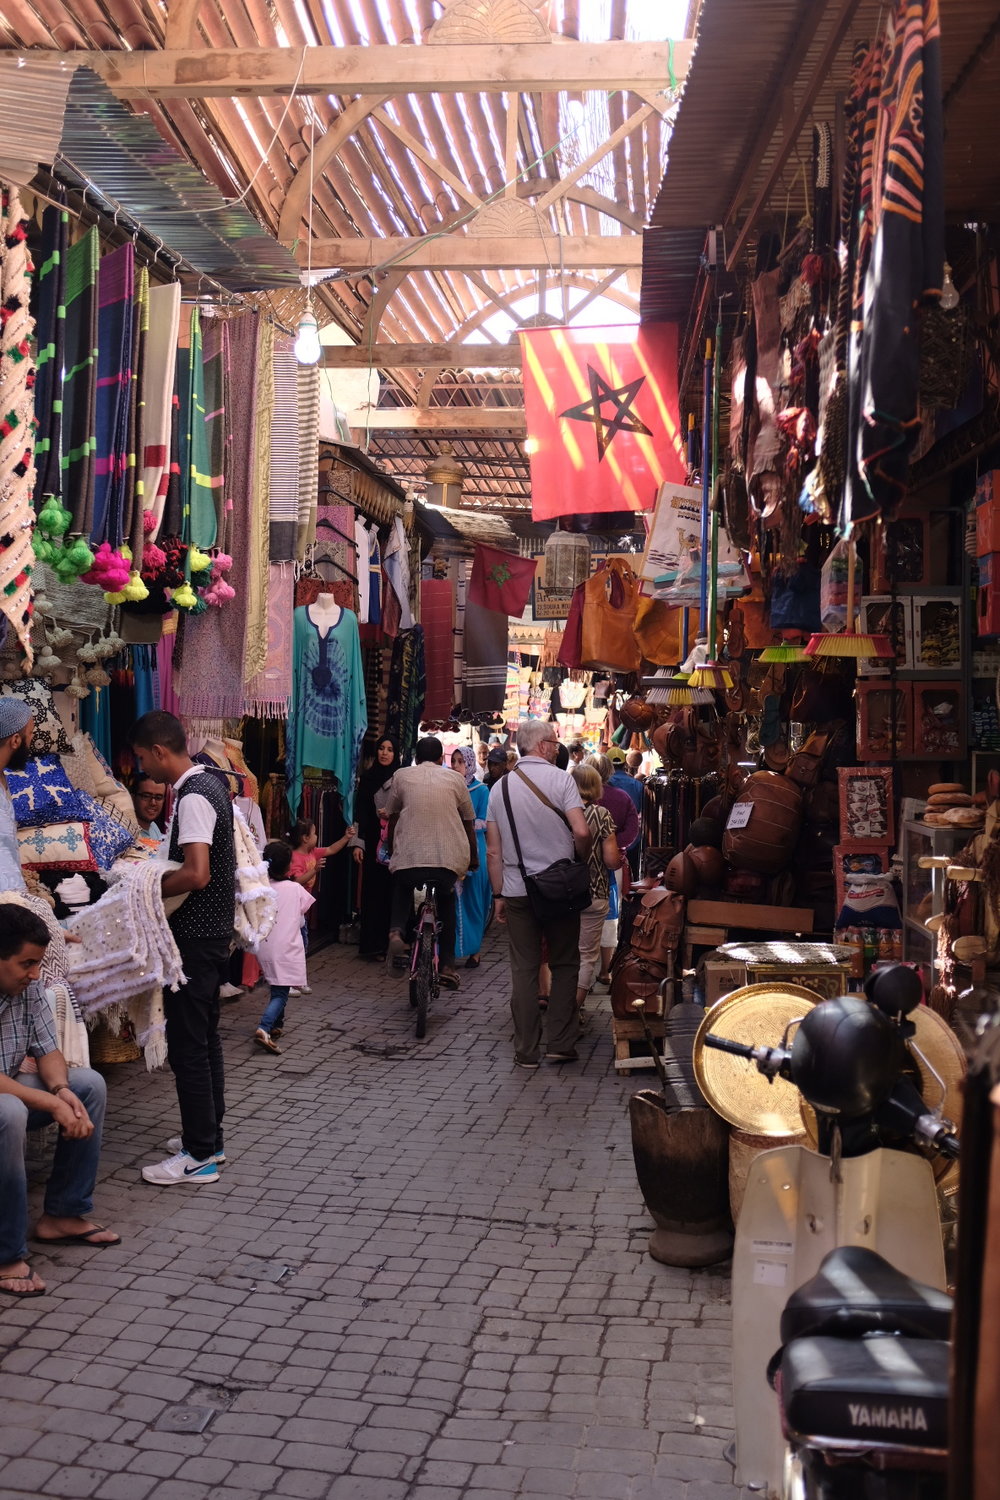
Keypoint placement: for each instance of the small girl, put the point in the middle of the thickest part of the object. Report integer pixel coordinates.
(282, 954)
(306, 862)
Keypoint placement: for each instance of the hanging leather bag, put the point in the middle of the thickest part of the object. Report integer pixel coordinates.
(571, 646)
(656, 929)
(657, 629)
(634, 980)
(610, 597)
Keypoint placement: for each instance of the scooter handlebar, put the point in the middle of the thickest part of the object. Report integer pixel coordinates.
(723, 1044)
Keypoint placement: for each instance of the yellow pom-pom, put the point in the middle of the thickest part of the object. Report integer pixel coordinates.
(135, 590)
(118, 598)
(184, 597)
(199, 560)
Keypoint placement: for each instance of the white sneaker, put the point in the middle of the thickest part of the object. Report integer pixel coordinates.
(181, 1168)
(230, 991)
(176, 1145)
(300, 989)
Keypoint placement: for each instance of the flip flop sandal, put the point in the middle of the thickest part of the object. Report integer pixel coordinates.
(85, 1238)
(263, 1040)
(448, 981)
(6, 1291)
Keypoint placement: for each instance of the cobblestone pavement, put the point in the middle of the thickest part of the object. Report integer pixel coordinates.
(422, 1274)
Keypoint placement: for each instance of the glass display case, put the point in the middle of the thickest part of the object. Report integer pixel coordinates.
(923, 890)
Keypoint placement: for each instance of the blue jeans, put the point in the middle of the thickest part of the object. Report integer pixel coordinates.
(69, 1191)
(274, 1014)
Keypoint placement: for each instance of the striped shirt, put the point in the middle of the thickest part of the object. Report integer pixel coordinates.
(26, 1027)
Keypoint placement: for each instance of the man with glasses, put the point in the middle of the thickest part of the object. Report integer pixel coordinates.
(547, 811)
(148, 799)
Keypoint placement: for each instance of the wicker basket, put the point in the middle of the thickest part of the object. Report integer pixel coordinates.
(106, 1048)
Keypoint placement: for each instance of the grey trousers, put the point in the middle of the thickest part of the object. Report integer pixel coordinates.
(524, 941)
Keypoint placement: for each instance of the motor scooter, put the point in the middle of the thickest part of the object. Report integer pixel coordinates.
(839, 1297)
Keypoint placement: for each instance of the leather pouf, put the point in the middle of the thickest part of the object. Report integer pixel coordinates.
(767, 843)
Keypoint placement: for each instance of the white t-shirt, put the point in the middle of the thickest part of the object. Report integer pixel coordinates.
(544, 836)
(282, 954)
(195, 816)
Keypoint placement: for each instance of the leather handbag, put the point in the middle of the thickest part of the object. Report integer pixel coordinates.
(570, 651)
(656, 929)
(635, 980)
(562, 889)
(657, 629)
(610, 597)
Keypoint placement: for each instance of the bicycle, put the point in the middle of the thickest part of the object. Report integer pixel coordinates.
(425, 964)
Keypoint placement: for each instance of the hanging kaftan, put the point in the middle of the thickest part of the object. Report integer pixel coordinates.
(329, 712)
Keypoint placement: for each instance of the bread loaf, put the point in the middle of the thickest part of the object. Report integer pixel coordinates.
(949, 799)
(964, 817)
(944, 786)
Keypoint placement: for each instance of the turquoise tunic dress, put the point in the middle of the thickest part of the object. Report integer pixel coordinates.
(474, 896)
(329, 712)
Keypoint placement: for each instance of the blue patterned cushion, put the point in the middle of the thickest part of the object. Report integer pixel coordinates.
(109, 838)
(43, 793)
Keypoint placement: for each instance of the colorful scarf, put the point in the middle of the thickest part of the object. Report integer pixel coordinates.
(485, 677)
(50, 334)
(198, 520)
(17, 418)
(157, 394)
(437, 603)
(471, 765)
(407, 687)
(308, 386)
(80, 381)
(284, 476)
(255, 658)
(217, 375)
(134, 506)
(268, 694)
(115, 317)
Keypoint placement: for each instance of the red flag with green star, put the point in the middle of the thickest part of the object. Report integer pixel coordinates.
(501, 580)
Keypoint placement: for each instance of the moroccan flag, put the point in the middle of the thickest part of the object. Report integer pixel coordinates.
(603, 426)
(501, 580)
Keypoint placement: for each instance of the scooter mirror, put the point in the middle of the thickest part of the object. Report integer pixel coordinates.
(896, 989)
(846, 1057)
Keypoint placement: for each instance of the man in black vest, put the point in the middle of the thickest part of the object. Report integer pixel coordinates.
(200, 839)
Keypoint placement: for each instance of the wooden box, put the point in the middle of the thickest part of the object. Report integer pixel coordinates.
(884, 720)
(883, 615)
(937, 633)
(747, 914)
(939, 714)
(867, 813)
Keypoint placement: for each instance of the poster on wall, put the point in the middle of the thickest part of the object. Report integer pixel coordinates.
(671, 566)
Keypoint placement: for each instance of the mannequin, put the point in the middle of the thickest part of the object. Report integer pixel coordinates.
(329, 714)
(325, 613)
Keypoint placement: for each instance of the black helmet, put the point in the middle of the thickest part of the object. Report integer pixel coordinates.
(895, 988)
(846, 1057)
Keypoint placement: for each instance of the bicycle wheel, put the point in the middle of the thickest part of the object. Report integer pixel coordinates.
(423, 980)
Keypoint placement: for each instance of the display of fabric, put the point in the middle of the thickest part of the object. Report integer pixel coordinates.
(42, 792)
(437, 597)
(329, 713)
(396, 565)
(198, 515)
(484, 678)
(50, 333)
(255, 658)
(17, 379)
(501, 580)
(308, 392)
(283, 494)
(903, 160)
(133, 500)
(217, 434)
(269, 693)
(115, 316)
(158, 394)
(364, 579)
(80, 381)
(407, 690)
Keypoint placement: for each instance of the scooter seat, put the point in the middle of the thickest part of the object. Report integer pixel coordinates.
(879, 1390)
(855, 1292)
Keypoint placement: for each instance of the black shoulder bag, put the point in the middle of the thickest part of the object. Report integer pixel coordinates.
(562, 889)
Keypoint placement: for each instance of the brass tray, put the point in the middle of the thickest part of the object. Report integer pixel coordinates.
(757, 1014)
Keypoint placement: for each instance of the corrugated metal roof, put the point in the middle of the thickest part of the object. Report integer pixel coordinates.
(124, 157)
(32, 103)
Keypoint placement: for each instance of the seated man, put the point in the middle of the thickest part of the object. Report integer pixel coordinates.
(74, 1098)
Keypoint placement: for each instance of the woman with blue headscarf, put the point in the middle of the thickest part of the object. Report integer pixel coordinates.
(475, 899)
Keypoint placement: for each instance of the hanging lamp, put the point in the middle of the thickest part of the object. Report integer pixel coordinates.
(308, 349)
(567, 560)
(848, 642)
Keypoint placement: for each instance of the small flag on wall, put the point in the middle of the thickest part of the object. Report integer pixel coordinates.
(501, 580)
(602, 416)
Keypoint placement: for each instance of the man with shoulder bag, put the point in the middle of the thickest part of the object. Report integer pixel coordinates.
(537, 847)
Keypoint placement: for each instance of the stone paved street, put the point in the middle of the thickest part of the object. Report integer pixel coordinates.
(422, 1274)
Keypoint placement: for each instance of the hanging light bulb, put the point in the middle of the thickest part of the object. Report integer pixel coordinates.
(949, 291)
(308, 348)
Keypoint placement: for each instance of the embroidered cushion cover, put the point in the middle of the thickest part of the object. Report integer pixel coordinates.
(43, 793)
(89, 771)
(109, 837)
(50, 736)
(56, 846)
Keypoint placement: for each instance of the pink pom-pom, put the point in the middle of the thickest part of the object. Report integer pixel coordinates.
(149, 522)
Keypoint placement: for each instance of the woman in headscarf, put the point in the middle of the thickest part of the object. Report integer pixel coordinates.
(474, 897)
(376, 882)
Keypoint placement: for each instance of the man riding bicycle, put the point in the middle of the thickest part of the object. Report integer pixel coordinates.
(431, 841)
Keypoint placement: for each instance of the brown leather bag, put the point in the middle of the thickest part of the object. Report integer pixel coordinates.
(632, 981)
(695, 744)
(657, 629)
(610, 597)
(806, 764)
(766, 843)
(656, 930)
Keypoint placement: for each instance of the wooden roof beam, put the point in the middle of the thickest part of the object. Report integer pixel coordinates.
(452, 356)
(441, 419)
(532, 67)
(462, 252)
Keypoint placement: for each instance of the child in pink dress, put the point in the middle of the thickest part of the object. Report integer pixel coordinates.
(306, 861)
(282, 954)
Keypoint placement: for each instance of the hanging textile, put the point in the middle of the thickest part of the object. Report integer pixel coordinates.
(158, 394)
(485, 673)
(501, 580)
(458, 636)
(396, 564)
(407, 690)
(211, 678)
(255, 658)
(95, 720)
(307, 390)
(17, 379)
(364, 581)
(166, 695)
(50, 335)
(904, 171)
(329, 712)
(309, 587)
(115, 317)
(218, 436)
(80, 381)
(284, 477)
(198, 518)
(269, 693)
(437, 599)
(133, 504)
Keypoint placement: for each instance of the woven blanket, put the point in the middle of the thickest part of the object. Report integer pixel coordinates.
(198, 521)
(210, 681)
(158, 393)
(485, 677)
(115, 314)
(50, 333)
(17, 420)
(268, 694)
(437, 605)
(132, 498)
(80, 381)
(284, 476)
(217, 375)
(255, 657)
